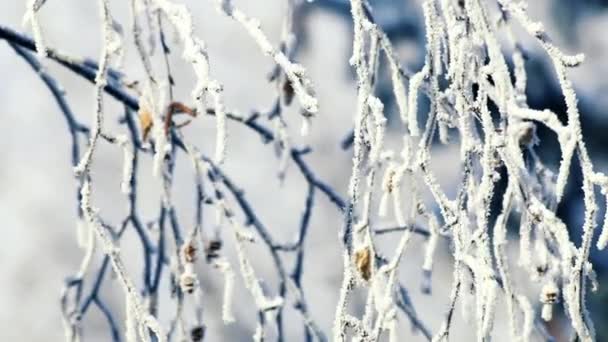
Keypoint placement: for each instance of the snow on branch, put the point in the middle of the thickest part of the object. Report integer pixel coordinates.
(296, 74)
(476, 102)
(463, 48)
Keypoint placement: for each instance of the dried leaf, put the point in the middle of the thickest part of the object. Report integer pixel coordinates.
(363, 262)
(145, 122)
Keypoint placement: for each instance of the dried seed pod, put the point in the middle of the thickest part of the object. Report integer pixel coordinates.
(212, 249)
(388, 183)
(215, 245)
(549, 295)
(187, 281)
(288, 92)
(197, 333)
(541, 269)
(189, 253)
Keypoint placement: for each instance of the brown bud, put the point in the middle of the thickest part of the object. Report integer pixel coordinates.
(189, 253)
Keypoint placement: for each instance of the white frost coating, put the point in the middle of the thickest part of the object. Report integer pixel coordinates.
(194, 49)
(500, 242)
(258, 335)
(162, 146)
(127, 166)
(296, 74)
(340, 318)
(601, 180)
(412, 116)
(397, 204)
(382, 290)
(112, 46)
(485, 108)
(429, 253)
(464, 52)
(396, 74)
(560, 62)
(305, 129)
(226, 269)
(377, 108)
(220, 118)
(31, 17)
(443, 124)
(137, 7)
(391, 326)
(82, 232)
(364, 92)
(252, 282)
(139, 313)
(383, 206)
(130, 322)
(282, 146)
(485, 292)
(520, 76)
(525, 246)
(399, 91)
(89, 245)
(195, 53)
(528, 311)
(603, 239)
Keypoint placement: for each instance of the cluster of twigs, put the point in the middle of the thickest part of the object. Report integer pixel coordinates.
(473, 98)
(153, 133)
(473, 103)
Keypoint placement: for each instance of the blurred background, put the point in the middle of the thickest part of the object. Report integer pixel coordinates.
(38, 206)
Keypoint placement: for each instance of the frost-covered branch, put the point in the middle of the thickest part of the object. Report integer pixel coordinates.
(470, 91)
